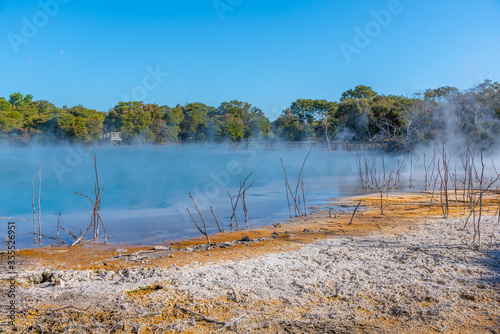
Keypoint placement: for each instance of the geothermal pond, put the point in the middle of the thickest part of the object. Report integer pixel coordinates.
(147, 187)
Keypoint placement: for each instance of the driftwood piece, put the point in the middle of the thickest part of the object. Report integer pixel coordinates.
(203, 317)
(354, 212)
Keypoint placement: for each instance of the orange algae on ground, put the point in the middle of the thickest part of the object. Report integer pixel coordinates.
(402, 212)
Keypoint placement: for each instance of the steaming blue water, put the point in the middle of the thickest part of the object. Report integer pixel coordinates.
(147, 188)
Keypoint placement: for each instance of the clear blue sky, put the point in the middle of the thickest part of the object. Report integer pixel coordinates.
(268, 53)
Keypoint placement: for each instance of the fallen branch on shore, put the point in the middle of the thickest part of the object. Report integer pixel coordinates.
(354, 212)
(204, 318)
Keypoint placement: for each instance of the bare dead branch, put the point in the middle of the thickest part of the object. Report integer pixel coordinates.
(217, 221)
(45, 236)
(16, 218)
(65, 230)
(204, 231)
(204, 318)
(39, 206)
(354, 212)
(58, 224)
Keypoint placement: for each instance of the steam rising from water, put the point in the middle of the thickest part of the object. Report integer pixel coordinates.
(147, 187)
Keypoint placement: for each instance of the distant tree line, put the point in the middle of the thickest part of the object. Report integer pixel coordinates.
(360, 115)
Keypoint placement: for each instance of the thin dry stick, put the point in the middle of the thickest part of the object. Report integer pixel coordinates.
(455, 176)
(381, 201)
(432, 196)
(199, 315)
(39, 206)
(387, 189)
(300, 175)
(354, 212)
(17, 218)
(97, 194)
(492, 199)
(241, 192)
(81, 237)
(371, 170)
(441, 190)
(399, 172)
(303, 195)
(92, 219)
(289, 189)
(472, 211)
(445, 177)
(359, 175)
(410, 185)
(498, 177)
(33, 204)
(96, 219)
(197, 209)
(465, 164)
(197, 226)
(288, 200)
(58, 224)
(232, 208)
(498, 213)
(425, 174)
(77, 239)
(217, 221)
(46, 236)
(383, 166)
(245, 211)
(202, 219)
(65, 230)
(481, 178)
(232, 321)
(482, 191)
(102, 224)
(243, 200)
(470, 188)
(234, 211)
(195, 222)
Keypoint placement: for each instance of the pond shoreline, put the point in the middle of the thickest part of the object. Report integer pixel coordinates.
(371, 274)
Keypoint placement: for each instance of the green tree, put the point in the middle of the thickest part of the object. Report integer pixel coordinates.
(387, 116)
(173, 118)
(354, 115)
(39, 119)
(238, 120)
(289, 127)
(233, 127)
(17, 99)
(194, 124)
(309, 111)
(359, 92)
(318, 117)
(80, 124)
(132, 120)
(5, 105)
(258, 125)
(9, 119)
